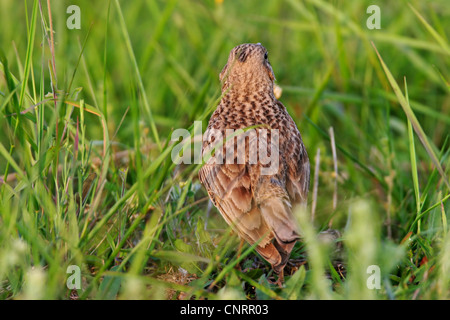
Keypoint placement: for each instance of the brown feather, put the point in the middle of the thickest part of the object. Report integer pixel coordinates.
(258, 207)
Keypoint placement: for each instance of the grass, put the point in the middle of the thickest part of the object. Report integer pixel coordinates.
(86, 176)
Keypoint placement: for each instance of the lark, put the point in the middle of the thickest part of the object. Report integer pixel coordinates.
(257, 205)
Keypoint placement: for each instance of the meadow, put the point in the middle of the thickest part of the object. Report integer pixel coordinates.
(93, 207)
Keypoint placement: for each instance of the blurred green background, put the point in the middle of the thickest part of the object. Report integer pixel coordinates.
(145, 68)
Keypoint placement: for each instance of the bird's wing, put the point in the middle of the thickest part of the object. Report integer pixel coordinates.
(297, 162)
(278, 195)
(229, 188)
(297, 183)
(277, 212)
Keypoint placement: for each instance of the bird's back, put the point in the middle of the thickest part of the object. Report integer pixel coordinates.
(257, 206)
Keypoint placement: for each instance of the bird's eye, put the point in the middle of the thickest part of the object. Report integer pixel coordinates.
(265, 56)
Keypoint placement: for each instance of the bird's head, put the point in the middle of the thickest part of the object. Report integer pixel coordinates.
(248, 64)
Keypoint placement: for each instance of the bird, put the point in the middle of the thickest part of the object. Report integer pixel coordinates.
(258, 204)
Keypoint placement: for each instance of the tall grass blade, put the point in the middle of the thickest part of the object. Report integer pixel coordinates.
(147, 108)
(412, 118)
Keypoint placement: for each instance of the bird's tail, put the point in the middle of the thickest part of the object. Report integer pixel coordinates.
(277, 214)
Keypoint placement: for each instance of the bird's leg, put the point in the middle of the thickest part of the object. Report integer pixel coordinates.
(280, 280)
(280, 275)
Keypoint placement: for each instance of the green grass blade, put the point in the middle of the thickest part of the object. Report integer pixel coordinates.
(12, 162)
(431, 30)
(30, 47)
(412, 118)
(147, 108)
(412, 153)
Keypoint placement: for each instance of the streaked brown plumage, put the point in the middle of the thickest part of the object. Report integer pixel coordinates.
(258, 207)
